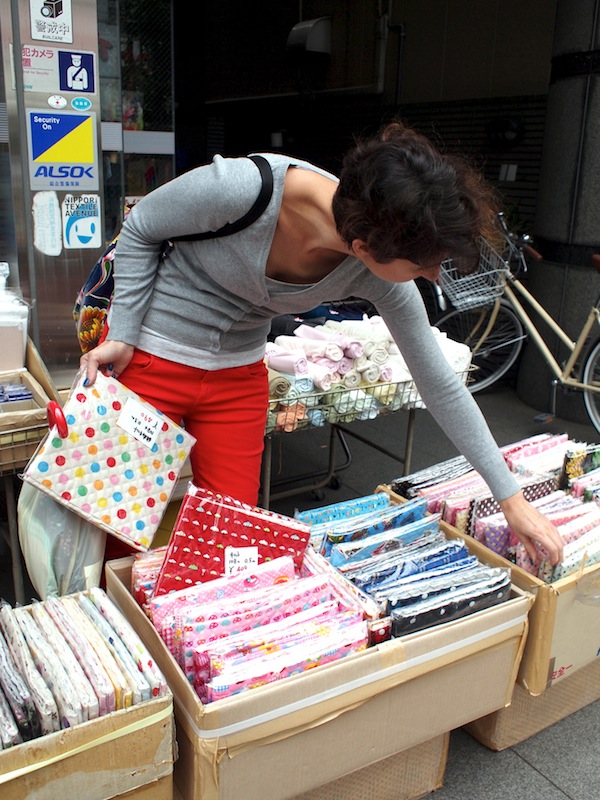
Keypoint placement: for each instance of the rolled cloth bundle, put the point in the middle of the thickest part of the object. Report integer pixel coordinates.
(289, 362)
(279, 385)
(352, 347)
(313, 349)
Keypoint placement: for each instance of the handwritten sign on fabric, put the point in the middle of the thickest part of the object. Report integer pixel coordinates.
(139, 422)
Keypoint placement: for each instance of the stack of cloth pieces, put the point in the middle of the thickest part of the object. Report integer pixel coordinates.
(551, 470)
(578, 524)
(581, 471)
(215, 534)
(239, 602)
(12, 392)
(254, 626)
(342, 371)
(397, 555)
(68, 660)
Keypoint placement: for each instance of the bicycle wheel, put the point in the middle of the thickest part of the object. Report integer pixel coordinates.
(494, 355)
(591, 375)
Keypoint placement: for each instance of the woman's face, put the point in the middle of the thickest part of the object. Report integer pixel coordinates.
(400, 270)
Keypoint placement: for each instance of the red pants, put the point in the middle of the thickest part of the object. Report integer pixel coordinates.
(225, 410)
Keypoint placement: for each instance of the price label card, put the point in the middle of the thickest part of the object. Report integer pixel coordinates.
(140, 422)
(238, 559)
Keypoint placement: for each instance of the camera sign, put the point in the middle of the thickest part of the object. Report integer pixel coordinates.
(62, 150)
(51, 20)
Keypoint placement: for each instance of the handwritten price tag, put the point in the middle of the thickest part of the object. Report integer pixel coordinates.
(238, 559)
(139, 422)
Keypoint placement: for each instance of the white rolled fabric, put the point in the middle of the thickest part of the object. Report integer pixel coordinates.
(379, 355)
(313, 349)
(330, 333)
(457, 354)
(352, 379)
(369, 372)
(321, 376)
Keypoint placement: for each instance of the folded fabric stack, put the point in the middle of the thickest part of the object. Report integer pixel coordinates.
(578, 524)
(581, 471)
(235, 603)
(398, 556)
(342, 371)
(11, 392)
(541, 464)
(538, 454)
(462, 499)
(320, 518)
(216, 535)
(408, 486)
(257, 625)
(318, 635)
(68, 660)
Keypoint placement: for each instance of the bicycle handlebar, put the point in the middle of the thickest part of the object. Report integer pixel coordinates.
(531, 251)
(519, 245)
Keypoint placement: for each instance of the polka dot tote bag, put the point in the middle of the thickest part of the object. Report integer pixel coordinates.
(112, 458)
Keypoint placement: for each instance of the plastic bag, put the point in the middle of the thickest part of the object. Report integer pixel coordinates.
(63, 552)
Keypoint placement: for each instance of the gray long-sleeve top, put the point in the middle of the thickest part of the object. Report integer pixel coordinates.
(210, 304)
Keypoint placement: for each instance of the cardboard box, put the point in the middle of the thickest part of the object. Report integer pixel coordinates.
(528, 715)
(14, 320)
(408, 775)
(127, 753)
(23, 424)
(162, 789)
(564, 629)
(412, 774)
(38, 370)
(340, 718)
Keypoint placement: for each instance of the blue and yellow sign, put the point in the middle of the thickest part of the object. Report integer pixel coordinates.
(62, 150)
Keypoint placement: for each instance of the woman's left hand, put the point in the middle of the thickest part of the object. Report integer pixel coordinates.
(532, 528)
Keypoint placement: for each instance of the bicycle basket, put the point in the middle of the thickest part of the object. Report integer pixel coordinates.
(480, 288)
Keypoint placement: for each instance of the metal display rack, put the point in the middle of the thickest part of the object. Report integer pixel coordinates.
(337, 408)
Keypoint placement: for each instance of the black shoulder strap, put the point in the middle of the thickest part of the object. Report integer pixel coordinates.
(260, 204)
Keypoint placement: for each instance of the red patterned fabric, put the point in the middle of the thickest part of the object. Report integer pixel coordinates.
(208, 523)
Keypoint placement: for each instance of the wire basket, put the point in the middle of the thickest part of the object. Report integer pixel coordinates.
(18, 445)
(480, 288)
(343, 405)
(339, 405)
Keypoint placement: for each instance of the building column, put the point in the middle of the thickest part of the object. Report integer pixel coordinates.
(567, 223)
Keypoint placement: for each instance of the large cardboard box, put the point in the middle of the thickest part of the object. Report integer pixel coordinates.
(564, 626)
(412, 774)
(127, 753)
(408, 775)
(300, 734)
(564, 629)
(162, 789)
(528, 715)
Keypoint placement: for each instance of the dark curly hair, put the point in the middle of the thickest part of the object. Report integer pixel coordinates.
(405, 199)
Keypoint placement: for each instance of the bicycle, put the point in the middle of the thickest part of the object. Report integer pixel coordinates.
(490, 316)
